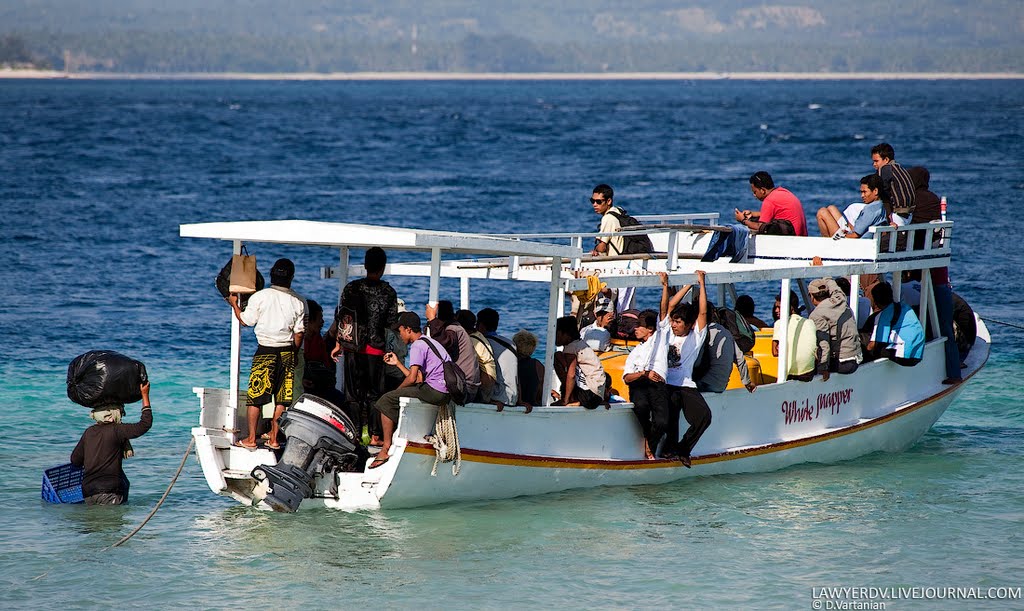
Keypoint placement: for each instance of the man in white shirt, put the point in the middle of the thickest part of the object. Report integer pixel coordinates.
(644, 373)
(278, 317)
(596, 334)
(685, 327)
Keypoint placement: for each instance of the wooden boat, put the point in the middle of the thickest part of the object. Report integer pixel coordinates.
(880, 407)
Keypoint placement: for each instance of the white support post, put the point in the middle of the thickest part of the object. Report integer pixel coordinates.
(342, 270)
(576, 262)
(236, 354)
(783, 332)
(926, 299)
(464, 293)
(435, 277)
(855, 297)
(556, 302)
(339, 367)
(933, 311)
(721, 296)
(672, 262)
(897, 285)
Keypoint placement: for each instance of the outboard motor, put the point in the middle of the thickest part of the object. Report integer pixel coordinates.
(321, 439)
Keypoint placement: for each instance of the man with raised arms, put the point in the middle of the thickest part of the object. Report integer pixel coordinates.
(685, 327)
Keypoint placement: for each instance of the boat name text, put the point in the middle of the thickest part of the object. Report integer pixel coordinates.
(804, 410)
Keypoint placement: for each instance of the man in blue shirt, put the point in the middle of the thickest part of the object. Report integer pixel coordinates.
(897, 331)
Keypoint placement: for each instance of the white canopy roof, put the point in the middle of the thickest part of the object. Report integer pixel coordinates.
(314, 233)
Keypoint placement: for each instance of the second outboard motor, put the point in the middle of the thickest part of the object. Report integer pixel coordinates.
(321, 439)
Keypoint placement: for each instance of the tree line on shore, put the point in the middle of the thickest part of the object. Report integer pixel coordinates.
(149, 52)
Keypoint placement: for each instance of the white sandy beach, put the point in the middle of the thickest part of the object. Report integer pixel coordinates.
(508, 76)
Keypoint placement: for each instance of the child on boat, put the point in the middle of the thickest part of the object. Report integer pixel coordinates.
(583, 379)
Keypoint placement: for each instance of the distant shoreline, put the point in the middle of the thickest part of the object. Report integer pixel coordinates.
(511, 76)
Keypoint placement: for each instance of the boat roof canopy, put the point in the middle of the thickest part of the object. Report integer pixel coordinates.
(316, 233)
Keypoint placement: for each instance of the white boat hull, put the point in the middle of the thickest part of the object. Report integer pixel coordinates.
(881, 407)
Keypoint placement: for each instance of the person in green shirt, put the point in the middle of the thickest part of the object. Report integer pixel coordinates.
(802, 342)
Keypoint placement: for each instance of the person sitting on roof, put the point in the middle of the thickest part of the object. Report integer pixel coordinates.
(897, 333)
(485, 357)
(745, 306)
(531, 371)
(424, 378)
(644, 373)
(596, 334)
(776, 203)
(506, 384)
(802, 341)
(684, 327)
(838, 339)
(582, 378)
(835, 224)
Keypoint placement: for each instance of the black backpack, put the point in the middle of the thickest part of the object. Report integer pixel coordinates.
(454, 378)
(632, 243)
(625, 324)
(738, 326)
(777, 227)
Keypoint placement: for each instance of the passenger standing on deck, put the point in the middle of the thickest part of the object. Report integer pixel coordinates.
(685, 327)
(101, 448)
(424, 378)
(802, 341)
(368, 306)
(278, 317)
(776, 203)
(506, 385)
(644, 373)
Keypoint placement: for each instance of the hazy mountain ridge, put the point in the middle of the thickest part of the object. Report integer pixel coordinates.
(730, 35)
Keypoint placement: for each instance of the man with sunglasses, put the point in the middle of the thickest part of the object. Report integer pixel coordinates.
(601, 200)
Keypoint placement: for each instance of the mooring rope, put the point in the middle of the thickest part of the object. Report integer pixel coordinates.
(446, 440)
(174, 479)
(999, 322)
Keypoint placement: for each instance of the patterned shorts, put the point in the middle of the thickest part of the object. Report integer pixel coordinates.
(272, 376)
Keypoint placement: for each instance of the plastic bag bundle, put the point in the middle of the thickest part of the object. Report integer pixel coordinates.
(101, 377)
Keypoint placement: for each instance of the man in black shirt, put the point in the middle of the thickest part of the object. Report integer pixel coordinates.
(102, 447)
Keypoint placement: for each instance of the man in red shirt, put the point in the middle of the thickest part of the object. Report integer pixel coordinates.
(776, 203)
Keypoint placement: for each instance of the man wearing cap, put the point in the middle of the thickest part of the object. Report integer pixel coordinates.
(838, 338)
(278, 316)
(424, 378)
(596, 334)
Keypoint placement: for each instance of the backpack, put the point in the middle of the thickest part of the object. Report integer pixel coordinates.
(625, 324)
(777, 227)
(703, 362)
(632, 243)
(454, 378)
(902, 194)
(738, 326)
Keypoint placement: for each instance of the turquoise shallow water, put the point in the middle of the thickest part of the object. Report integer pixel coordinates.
(96, 177)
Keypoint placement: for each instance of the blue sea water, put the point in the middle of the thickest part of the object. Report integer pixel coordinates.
(96, 177)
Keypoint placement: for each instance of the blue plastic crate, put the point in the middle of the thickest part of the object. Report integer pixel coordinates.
(63, 484)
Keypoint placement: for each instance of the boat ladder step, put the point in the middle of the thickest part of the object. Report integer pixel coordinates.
(235, 474)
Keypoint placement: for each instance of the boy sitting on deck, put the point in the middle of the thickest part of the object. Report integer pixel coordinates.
(897, 333)
(424, 378)
(578, 368)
